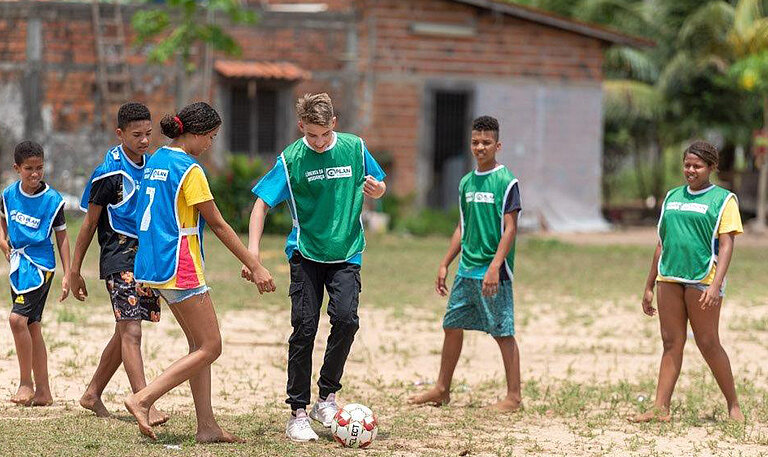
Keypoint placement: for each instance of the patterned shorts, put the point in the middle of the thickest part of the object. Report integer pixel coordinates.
(468, 309)
(130, 301)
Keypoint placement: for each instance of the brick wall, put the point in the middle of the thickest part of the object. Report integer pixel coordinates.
(401, 63)
(363, 52)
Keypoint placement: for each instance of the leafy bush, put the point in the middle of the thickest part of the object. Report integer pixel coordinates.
(232, 190)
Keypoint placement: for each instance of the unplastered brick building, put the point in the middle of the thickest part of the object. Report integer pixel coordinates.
(407, 75)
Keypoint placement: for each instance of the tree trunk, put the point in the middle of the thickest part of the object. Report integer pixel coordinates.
(762, 181)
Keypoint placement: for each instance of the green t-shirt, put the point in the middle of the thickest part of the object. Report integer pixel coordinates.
(484, 198)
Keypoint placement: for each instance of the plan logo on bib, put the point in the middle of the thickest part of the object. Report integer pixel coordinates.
(23, 219)
(480, 197)
(158, 174)
(690, 207)
(329, 173)
(338, 172)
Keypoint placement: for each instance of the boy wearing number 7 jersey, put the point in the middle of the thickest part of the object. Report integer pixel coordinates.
(109, 200)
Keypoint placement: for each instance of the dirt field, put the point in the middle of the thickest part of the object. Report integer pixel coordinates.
(587, 363)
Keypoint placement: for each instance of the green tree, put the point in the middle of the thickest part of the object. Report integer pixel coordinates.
(175, 27)
(731, 39)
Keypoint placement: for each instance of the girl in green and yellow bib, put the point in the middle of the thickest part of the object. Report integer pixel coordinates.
(697, 227)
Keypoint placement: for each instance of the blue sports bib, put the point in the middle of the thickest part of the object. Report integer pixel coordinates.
(30, 226)
(122, 215)
(159, 229)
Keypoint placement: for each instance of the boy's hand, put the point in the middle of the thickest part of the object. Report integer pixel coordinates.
(373, 188)
(491, 282)
(64, 288)
(442, 272)
(77, 285)
(262, 278)
(6, 249)
(648, 302)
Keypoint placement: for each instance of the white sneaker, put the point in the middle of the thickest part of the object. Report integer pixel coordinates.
(324, 411)
(299, 429)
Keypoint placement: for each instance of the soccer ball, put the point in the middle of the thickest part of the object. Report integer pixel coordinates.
(354, 426)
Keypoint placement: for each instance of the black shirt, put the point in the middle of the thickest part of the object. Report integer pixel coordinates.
(117, 251)
(59, 222)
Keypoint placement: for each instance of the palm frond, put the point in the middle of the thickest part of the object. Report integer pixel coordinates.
(631, 63)
(628, 101)
(706, 29)
(746, 13)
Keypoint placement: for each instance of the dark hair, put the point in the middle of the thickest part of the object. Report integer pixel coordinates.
(705, 151)
(132, 112)
(25, 150)
(198, 118)
(486, 124)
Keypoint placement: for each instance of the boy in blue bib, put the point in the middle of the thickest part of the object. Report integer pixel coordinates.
(109, 201)
(32, 212)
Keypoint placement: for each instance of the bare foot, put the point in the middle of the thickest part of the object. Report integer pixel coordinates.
(217, 435)
(736, 414)
(23, 395)
(506, 405)
(141, 413)
(42, 399)
(434, 396)
(94, 403)
(157, 417)
(654, 414)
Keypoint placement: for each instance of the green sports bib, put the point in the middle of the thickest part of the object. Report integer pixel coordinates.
(482, 196)
(688, 232)
(327, 198)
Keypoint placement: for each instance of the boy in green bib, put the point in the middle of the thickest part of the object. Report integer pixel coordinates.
(481, 297)
(697, 227)
(323, 177)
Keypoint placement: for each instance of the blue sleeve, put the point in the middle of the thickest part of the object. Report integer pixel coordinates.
(273, 187)
(372, 167)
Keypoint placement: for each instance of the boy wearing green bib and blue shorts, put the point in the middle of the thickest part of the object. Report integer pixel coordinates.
(481, 296)
(324, 177)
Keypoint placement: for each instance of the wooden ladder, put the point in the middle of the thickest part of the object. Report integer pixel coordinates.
(113, 77)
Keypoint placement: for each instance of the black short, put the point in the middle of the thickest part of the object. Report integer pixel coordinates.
(131, 302)
(31, 304)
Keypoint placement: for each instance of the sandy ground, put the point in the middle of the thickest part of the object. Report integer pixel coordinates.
(395, 356)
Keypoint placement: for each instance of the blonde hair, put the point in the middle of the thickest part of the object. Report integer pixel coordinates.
(315, 109)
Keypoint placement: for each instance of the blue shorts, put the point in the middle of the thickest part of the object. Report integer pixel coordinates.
(468, 309)
(173, 296)
(704, 287)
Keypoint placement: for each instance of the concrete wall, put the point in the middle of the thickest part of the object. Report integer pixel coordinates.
(552, 140)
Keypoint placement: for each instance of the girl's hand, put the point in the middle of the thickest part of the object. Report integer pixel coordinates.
(442, 272)
(648, 302)
(711, 297)
(262, 278)
(64, 288)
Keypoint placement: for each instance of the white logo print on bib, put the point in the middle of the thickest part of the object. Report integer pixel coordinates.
(480, 197)
(23, 219)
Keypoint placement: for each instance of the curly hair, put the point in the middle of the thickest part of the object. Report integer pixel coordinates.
(487, 124)
(315, 109)
(27, 149)
(132, 112)
(705, 151)
(197, 118)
